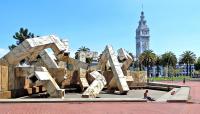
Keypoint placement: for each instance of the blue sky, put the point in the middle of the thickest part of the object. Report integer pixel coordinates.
(174, 24)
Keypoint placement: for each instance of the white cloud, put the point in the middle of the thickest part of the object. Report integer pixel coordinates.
(3, 51)
(72, 53)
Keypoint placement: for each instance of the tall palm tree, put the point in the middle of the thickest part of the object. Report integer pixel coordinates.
(188, 58)
(168, 60)
(147, 59)
(197, 64)
(83, 48)
(158, 63)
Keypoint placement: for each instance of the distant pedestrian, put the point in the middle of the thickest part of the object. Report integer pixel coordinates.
(148, 97)
(184, 80)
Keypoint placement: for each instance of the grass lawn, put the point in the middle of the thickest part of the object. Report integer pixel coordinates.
(179, 78)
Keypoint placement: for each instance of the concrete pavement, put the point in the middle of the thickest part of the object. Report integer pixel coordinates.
(191, 107)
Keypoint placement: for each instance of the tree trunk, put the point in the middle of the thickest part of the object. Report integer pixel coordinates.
(157, 71)
(140, 67)
(187, 70)
(168, 70)
(190, 70)
(148, 73)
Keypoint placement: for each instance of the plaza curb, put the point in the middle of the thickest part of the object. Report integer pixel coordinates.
(66, 100)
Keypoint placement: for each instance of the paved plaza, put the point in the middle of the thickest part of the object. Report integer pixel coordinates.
(192, 107)
(138, 93)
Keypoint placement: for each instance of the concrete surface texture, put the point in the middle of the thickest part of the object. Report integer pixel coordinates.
(131, 94)
(192, 107)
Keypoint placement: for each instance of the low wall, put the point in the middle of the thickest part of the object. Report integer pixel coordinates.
(4, 93)
(13, 83)
(139, 78)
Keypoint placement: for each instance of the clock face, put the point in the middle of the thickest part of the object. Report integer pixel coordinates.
(144, 32)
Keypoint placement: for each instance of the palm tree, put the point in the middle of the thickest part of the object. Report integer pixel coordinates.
(168, 60)
(188, 58)
(147, 59)
(20, 36)
(197, 64)
(158, 63)
(83, 48)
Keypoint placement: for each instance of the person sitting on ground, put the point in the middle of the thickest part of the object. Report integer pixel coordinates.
(184, 80)
(148, 97)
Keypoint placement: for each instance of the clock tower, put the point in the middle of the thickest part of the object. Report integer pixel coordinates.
(142, 36)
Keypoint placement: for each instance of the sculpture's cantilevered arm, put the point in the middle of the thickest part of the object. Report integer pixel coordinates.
(124, 56)
(102, 61)
(118, 79)
(30, 48)
(48, 59)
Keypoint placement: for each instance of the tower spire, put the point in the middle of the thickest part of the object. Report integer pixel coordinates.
(142, 6)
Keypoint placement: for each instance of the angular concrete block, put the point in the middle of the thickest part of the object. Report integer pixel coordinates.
(126, 58)
(117, 71)
(42, 75)
(74, 64)
(48, 59)
(122, 54)
(23, 71)
(59, 74)
(103, 61)
(30, 48)
(82, 79)
(97, 85)
(108, 76)
(83, 83)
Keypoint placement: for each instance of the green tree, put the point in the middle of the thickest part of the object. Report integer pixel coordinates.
(147, 59)
(158, 63)
(11, 47)
(20, 36)
(197, 64)
(188, 58)
(83, 48)
(169, 60)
